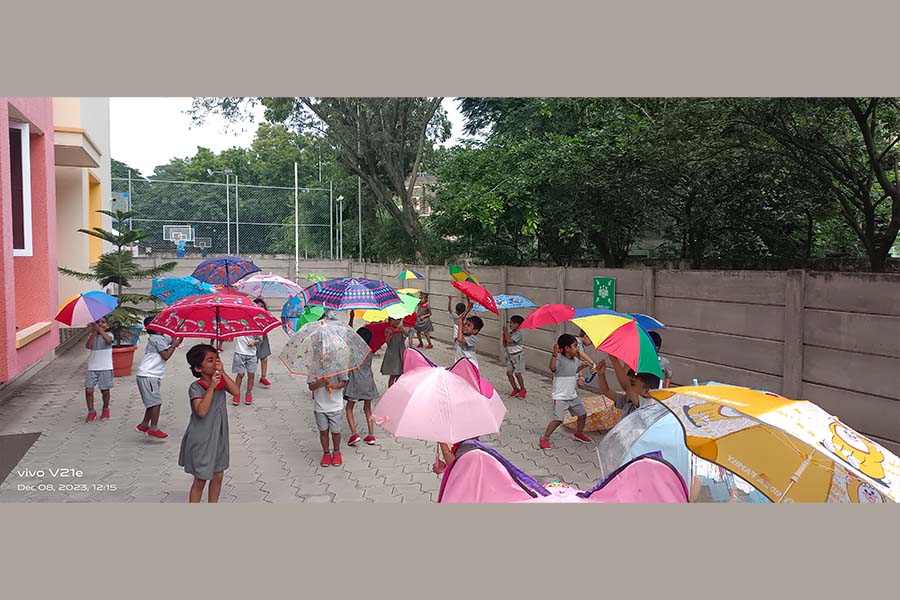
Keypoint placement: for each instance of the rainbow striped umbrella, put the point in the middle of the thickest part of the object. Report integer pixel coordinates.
(460, 274)
(86, 308)
(350, 293)
(408, 274)
(621, 337)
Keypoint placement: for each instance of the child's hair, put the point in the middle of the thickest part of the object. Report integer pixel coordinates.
(476, 322)
(261, 302)
(423, 296)
(460, 308)
(650, 380)
(196, 355)
(147, 321)
(516, 319)
(566, 340)
(657, 339)
(365, 333)
(393, 320)
(581, 333)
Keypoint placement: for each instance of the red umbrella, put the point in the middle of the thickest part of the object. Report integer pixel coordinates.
(379, 331)
(222, 316)
(478, 294)
(549, 314)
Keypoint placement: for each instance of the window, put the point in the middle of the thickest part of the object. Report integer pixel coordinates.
(20, 177)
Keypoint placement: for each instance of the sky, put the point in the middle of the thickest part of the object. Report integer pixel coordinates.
(148, 132)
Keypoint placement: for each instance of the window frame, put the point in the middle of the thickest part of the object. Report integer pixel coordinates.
(28, 249)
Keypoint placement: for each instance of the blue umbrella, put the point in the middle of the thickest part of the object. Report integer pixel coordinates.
(646, 322)
(173, 289)
(506, 302)
(293, 308)
(225, 270)
(350, 293)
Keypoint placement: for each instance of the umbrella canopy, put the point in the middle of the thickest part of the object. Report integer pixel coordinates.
(379, 334)
(408, 305)
(477, 293)
(549, 314)
(645, 322)
(225, 270)
(439, 405)
(460, 274)
(173, 289)
(790, 450)
(602, 414)
(268, 286)
(293, 307)
(315, 277)
(621, 337)
(310, 314)
(221, 316)
(408, 274)
(507, 302)
(410, 291)
(350, 293)
(86, 308)
(324, 349)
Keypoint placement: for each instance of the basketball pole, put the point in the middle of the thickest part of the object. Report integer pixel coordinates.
(331, 218)
(228, 212)
(237, 218)
(296, 226)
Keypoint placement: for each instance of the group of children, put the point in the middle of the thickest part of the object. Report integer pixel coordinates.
(204, 449)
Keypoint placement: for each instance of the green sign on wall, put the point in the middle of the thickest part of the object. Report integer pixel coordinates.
(605, 293)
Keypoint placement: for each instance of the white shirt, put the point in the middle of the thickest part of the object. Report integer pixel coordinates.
(565, 380)
(101, 355)
(241, 346)
(466, 348)
(153, 365)
(325, 402)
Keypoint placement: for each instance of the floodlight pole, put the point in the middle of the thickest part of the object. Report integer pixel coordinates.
(296, 226)
(237, 218)
(228, 211)
(331, 217)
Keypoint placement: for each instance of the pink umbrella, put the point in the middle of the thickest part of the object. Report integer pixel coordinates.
(439, 405)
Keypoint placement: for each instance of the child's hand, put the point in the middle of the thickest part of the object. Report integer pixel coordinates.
(555, 349)
(216, 378)
(600, 367)
(220, 368)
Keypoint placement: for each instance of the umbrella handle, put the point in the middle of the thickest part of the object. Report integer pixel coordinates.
(797, 475)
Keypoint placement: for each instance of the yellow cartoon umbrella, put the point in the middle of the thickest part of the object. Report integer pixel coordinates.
(790, 450)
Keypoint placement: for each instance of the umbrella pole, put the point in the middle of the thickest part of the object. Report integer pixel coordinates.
(797, 475)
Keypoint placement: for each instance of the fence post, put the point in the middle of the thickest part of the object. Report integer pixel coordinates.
(428, 280)
(560, 296)
(503, 313)
(650, 291)
(365, 265)
(349, 269)
(795, 289)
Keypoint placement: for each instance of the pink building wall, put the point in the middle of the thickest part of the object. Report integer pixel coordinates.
(29, 283)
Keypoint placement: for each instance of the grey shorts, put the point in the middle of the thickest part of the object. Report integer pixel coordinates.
(100, 379)
(575, 408)
(244, 363)
(149, 388)
(329, 420)
(515, 363)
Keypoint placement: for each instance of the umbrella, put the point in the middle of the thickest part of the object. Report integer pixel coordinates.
(549, 314)
(439, 405)
(324, 349)
(602, 414)
(315, 277)
(477, 293)
(410, 291)
(409, 275)
(268, 286)
(293, 307)
(507, 302)
(173, 289)
(350, 293)
(408, 305)
(86, 308)
(645, 322)
(310, 314)
(222, 316)
(379, 334)
(790, 450)
(621, 337)
(460, 274)
(225, 270)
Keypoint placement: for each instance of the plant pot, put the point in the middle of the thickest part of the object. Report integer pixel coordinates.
(123, 358)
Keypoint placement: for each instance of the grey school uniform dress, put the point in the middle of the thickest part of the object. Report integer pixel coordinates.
(264, 350)
(392, 364)
(423, 323)
(361, 385)
(204, 447)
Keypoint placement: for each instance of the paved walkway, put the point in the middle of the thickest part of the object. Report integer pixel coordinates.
(275, 447)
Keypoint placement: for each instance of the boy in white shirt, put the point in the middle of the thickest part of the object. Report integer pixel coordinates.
(148, 377)
(244, 362)
(328, 407)
(100, 367)
(467, 336)
(565, 366)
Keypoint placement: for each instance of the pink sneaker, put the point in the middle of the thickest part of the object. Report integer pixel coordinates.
(91, 416)
(142, 428)
(583, 438)
(545, 444)
(236, 400)
(522, 393)
(370, 440)
(248, 399)
(104, 414)
(514, 393)
(264, 382)
(157, 433)
(354, 439)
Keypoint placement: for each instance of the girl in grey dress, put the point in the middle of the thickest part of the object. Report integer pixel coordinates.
(361, 387)
(423, 320)
(263, 351)
(392, 365)
(204, 447)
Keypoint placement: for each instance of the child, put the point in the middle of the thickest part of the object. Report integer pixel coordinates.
(637, 386)
(423, 320)
(455, 316)
(204, 447)
(663, 361)
(565, 366)
(467, 336)
(263, 351)
(328, 407)
(392, 363)
(515, 357)
(100, 367)
(361, 386)
(584, 340)
(149, 377)
(244, 362)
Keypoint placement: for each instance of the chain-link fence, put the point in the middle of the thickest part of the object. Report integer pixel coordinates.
(214, 218)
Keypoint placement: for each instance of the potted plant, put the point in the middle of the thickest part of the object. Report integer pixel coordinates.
(118, 267)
